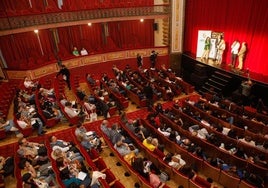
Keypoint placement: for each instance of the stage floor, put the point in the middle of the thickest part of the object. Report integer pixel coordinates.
(256, 77)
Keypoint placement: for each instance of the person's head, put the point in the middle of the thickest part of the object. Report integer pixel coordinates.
(57, 153)
(60, 162)
(105, 122)
(75, 49)
(26, 178)
(22, 141)
(68, 104)
(53, 138)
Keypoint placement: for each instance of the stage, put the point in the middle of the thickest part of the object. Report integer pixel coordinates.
(203, 74)
(244, 73)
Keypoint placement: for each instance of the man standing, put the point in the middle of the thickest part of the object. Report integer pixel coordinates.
(148, 91)
(234, 51)
(153, 57)
(241, 55)
(65, 75)
(139, 60)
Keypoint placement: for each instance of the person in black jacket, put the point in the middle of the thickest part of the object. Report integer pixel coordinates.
(65, 75)
(148, 91)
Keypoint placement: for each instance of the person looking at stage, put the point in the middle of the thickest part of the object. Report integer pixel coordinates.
(221, 47)
(206, 49)
(234, 51)
(241, 55)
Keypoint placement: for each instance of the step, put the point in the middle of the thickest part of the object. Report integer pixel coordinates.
(215, 81)
(219, 78)
(223, 75)
(213, 86)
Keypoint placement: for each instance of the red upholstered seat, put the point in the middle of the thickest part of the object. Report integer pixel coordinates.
(2, 134)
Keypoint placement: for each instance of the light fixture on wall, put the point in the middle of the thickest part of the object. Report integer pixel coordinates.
(142, 20)
(39, 41)
(89, 24)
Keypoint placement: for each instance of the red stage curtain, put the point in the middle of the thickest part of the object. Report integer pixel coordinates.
(240, 19)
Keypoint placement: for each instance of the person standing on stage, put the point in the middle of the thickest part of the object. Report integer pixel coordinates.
(234, 51)
(206, 49)
(139, 60)
(153, 57)
(221, 47)
(65, 75)
(241, 55)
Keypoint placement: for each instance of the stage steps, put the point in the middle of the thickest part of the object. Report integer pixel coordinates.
(216, 83)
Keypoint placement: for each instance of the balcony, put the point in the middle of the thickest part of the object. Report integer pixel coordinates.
(18, 23)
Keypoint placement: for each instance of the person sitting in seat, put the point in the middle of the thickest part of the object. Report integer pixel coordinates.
(75, 52)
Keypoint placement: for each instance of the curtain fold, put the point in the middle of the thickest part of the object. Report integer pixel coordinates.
(245, 21)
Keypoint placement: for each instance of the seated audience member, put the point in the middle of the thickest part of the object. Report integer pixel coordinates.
(70, 172)
(83, 51)
(74, 112)
(105, 128)
(35, 123)
(9, 126)
(89, 139)
(125, 149)
(61, 144)
(164, 130)
(200, 133)
(147, 170)
(75, 52)
(150, 143)
(95, 175)
(42, 174)
(187, 171)
(7, 166)
(66, 154)
(33, 151)
(247, 140)
(29, 84)
(174, 161)
(90, 79)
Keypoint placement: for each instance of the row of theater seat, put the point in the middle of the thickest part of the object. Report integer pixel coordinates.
(91, 157)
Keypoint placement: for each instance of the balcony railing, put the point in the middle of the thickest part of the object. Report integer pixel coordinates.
(12, 23)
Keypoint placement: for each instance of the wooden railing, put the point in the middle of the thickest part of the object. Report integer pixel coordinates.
(78, 17)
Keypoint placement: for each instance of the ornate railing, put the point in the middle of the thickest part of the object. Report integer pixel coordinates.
(12, 23)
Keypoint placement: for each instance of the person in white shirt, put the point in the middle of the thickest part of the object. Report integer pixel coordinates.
(83, 51)
(28, 83)
(234, 51)
(71, 112)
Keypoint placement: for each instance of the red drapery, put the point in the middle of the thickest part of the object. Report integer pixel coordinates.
(245, 20)
(25, 46)
(132, 34)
